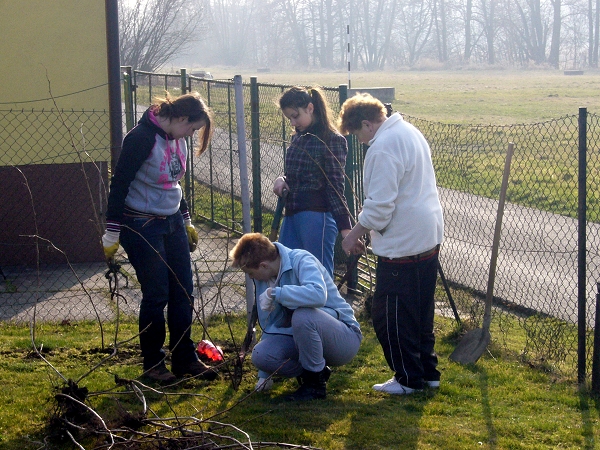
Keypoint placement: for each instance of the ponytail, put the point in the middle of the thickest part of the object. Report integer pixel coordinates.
(299, 97)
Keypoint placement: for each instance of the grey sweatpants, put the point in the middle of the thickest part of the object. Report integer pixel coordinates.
(318, 340)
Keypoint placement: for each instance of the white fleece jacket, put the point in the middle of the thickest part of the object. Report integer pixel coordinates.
(401, 208)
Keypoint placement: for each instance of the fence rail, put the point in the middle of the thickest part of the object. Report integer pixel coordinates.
(539, 270)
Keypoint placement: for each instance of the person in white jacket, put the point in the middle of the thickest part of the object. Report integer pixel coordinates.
(403, 215)
(306, 324)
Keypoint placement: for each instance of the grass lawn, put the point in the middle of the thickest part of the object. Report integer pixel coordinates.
(483, 97)
(501, 402)
(504, 401)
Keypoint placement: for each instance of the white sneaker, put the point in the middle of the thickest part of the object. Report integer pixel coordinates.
(433, 384)
(264, 385)
(391, 386)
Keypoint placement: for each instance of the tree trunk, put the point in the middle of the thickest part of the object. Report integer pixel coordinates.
(553, 57)
(488, 11)
(468, 18)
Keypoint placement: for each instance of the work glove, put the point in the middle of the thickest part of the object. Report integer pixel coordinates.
(192, 235)
(266, 301)
(110, 241)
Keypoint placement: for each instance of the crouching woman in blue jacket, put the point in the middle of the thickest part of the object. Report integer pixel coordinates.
(306, 324)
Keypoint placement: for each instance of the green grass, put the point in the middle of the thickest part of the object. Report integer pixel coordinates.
(501, 402)
(499, 97)
(470, 116)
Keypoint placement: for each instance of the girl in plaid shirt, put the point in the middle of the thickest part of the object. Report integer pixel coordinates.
(316, 207)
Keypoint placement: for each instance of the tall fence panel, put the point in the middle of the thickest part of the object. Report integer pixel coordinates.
(537, 266)
(537, 271)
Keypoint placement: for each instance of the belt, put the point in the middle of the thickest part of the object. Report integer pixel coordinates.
(140, 215)
(414, 258)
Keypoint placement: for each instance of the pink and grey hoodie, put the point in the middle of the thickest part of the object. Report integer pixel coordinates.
(146, 177)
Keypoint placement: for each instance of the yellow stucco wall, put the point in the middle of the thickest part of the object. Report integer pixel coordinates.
(53, 48)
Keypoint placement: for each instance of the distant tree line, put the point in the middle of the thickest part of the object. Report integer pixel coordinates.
(379, 34)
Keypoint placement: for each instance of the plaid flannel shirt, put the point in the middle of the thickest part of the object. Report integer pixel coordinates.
(315, 173)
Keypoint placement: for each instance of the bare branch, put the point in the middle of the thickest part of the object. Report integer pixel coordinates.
(152, 32)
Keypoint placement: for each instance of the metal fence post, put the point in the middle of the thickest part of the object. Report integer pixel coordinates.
(343, 93)
(581, 252)
(244, 183)
(255, 139)
(128, 97)
(349, 188)
(190, 156)
(184, 88)
(114, 78)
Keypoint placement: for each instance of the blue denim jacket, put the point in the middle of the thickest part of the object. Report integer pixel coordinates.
(302, 282)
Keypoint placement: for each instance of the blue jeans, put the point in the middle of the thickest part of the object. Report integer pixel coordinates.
(158, 250)
(318, 340)
(403, 313)
(312, 231)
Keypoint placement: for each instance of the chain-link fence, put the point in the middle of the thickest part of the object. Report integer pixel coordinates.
(539, 271)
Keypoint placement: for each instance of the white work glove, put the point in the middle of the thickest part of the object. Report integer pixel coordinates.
(110, 242)
(192, 235)
(266, 301)
(264, 385)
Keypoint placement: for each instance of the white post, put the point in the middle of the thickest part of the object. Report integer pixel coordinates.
(348, 53)
(244, 183)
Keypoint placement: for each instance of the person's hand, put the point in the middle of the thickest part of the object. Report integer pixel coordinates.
(265, 301)
(110, 242)
(279, 186)
(353, 245)
(192, 235)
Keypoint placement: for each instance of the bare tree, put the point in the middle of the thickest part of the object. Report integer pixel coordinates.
(416, 25)
(232, 22)
(441, 29)
(554, 55)
(468, 35)
(535, 29)
(374, 31)
(152, 32)
(488, 19)
(593, 27)
(294, 14)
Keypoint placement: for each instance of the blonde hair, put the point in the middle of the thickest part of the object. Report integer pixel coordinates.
(358, 108)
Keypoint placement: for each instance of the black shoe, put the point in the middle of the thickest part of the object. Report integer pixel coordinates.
(313, 385)
(324, 374)
(160, 374)
(195, 369)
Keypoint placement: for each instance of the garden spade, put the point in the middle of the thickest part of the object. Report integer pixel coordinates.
(474, 343)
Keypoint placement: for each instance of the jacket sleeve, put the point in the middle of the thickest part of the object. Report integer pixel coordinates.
(382, 177)
(137, 146)
(335, 171)
(183, 207)
(310, 289)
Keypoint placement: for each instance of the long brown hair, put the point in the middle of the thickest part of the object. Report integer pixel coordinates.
(299, 97)
(194, 108)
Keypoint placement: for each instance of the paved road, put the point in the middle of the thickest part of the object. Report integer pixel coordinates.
(81, 292)
(537, 261)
